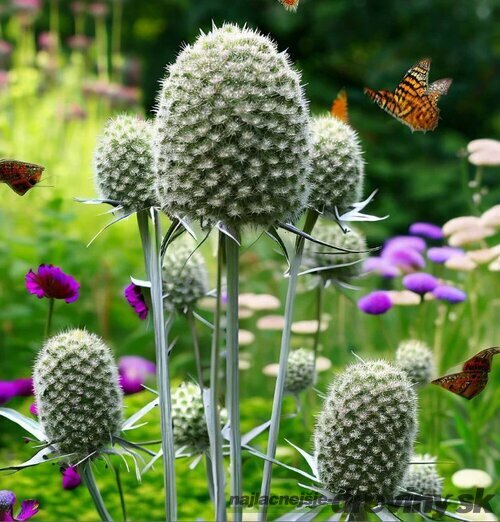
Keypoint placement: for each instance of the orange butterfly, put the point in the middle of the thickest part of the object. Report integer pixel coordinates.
(289, 5)
(414, 102)
(473, 378)
(339, 107)
(20, 176)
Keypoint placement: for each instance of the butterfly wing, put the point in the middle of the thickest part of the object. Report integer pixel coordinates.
(465, 384)
(19, 175)
(339, 108)
(481, 361)
(416, 79)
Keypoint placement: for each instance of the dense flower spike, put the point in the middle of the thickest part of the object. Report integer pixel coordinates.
(185, 276)
(415, 358)
(51, 282)
(188, 417)
(233, 132)
(365, 432)
(124, 163)
(77, 393)
(337, 165)
(300, 371)
(423, 479)
(316, 256)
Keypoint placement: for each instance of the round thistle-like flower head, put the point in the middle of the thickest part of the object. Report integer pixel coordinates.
(415, 359)
(185, 277)
(124, 163)
(77, 393)
(319, 256)
(365, 432)
(337, 165)
(300, 371)
(188, 416)
(423, 479)
(232, 137)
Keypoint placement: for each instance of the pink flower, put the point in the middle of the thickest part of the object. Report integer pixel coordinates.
(134, 371)
(29, 508)
(70, 477)
(135, 297)
(50, 281)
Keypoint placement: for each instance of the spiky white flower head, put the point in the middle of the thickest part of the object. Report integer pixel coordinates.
(188, 417)
(317, 256)
(364, 435)
(77, 393)
(185, 276)
(300, 371)
(416, 359)
(232, 139)
(124, 163)
(423, 479)
(337, 165)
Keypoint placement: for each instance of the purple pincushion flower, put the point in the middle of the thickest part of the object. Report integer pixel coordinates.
(381, 266)
(135, 297)
(406, 259)
(134, 371)
(375, 303)
(29, 508)
(15, 388)
(70, 477)
(427, 230)
(405, 243)
(50, 281)
(442, 254)
(420, 283)
(449, 293)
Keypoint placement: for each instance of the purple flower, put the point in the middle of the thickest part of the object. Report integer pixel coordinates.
(70, 477)
(135, 297)
(442, 254)
(420, 282)
(449, 293)
(375, 303)
(426, 230)
(15, 388)
(34, 409)
(381, 266)
(50, 281)
(7, 391)
(134, 371)
(406, 259)
(29, 508)
(405, 242)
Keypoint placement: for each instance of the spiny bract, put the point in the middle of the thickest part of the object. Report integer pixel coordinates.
(232, 139)
(77, 393)
(364, 435)
(185, 277)
(317, 256)
(337, 165)
(423, 479)
(415, 358)
(300, 371)
(124, 163)
(188, 417)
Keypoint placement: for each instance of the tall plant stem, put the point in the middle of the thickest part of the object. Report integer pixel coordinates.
(279, 389)
(54, 21)
(89, 480)
(48, 324)
(196, 347)
(151, 246)
(232, 375)
(319, 312)
(120, 492)
(116, 36)
(216, 456)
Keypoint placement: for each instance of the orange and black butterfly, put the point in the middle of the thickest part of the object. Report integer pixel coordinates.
(473, 378)
(20, 176)
(414, 101)
(339, 108)
(289, 5)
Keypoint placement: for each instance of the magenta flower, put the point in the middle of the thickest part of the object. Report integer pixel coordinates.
(442, 254)
(135, 297)
(449, 293)
(427, 230)
(15, 388)
(29, 508)
(381, 266)
(420, 283)
(134, 371)
(407, 260)
(70, 477)
(50, 281)
(34, 409)
(375, 303)
(7, 391)
(405, 242)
